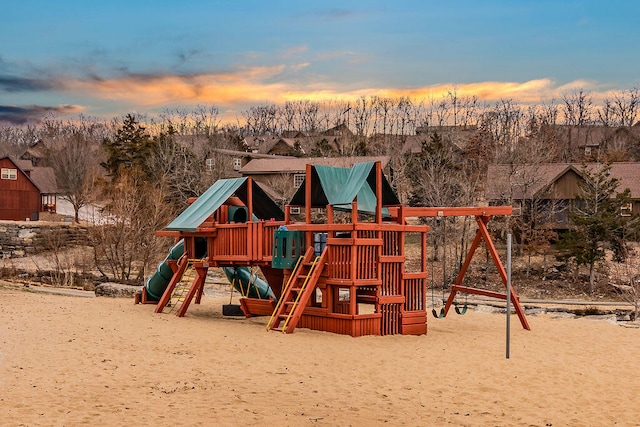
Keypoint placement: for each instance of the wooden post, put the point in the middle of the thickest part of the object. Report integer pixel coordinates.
(198, 282)
(307, 195)
(378, 192)
(250, 199)
(354, 212)
(307, 201)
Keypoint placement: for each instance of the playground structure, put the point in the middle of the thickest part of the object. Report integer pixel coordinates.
(347, 273)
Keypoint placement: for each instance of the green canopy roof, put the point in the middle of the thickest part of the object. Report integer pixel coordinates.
(340, 186)
(191, 218)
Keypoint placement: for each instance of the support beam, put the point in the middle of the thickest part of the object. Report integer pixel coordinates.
(483, 234)
(453, 211)
(197, 287)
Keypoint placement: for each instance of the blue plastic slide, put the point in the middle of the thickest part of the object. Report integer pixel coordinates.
(245, 283)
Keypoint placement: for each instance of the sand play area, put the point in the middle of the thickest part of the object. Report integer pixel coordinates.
(67, 360)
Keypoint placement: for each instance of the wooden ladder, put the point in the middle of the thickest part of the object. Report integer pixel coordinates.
(181, 289)
(297, 292)
(187, 282)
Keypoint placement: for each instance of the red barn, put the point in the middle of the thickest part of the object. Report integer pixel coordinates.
(25, 191)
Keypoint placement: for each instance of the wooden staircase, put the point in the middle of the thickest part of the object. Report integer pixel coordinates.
(297, 292)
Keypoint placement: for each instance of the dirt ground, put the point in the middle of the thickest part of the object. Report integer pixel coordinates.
(66, 360)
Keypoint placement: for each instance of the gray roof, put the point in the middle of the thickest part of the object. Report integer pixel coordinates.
(45, 179)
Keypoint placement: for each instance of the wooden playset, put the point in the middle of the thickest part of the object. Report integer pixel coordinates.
(342, 267)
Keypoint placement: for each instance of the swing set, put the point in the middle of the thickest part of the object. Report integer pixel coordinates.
(482, 217)
(445, 279)
(341, 277)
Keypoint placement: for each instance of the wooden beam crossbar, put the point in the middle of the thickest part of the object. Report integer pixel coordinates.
(483, 234)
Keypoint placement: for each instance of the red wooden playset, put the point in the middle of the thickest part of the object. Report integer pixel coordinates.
(345, 274)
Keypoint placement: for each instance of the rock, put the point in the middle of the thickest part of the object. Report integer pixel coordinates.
(116, 290)
(534, 311)
(26, 233)
(611, 318)
(623, 289)
(481, 308)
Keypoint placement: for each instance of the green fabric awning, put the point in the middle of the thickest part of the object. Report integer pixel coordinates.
(340, 186)
(192, 217)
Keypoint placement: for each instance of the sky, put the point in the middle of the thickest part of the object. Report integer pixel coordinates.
(109, 58)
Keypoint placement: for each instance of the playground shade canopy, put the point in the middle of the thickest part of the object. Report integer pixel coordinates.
(340, 186)
(191, 218)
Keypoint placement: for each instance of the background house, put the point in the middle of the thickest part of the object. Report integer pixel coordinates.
(552, 187)
(25, 191)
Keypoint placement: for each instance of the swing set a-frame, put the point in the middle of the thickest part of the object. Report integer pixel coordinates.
(482, 216)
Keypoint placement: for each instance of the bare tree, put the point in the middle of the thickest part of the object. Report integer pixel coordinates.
(309, 116)
(283, 185)
(362, 116)
(74, 159)
(625, 106)
(577, 107)
(15, 140)
(205, 120)
(125, 244)
(260, 119)
(626, 280)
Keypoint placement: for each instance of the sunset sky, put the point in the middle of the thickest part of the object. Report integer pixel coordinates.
(108, 58)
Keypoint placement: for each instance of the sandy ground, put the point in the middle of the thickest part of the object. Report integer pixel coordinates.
(67, 360)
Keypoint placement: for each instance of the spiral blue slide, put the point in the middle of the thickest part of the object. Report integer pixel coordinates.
(241, 277)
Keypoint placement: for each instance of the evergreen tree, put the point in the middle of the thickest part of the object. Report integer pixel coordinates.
(436, 175)
(596, 221)
(129, 149)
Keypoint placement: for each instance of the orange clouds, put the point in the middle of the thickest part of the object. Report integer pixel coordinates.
(150, 90)
(259, 85)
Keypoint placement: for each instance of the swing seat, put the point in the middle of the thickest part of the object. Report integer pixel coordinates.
(438, 315)
(232, 310)
(462, 310)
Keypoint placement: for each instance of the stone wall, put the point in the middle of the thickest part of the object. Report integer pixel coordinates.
(22, 238)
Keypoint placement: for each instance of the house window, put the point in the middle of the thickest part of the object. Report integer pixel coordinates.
(626, 209)
(9, 173)
(298, 179)
(517, 208)
(237, 164)
(294, 211)
(209, 163)
(587, 151)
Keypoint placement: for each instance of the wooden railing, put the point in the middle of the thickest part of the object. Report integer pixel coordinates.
(414, 287)
(391, 277)
(340, 262)
(230, 243)
(250, 242)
